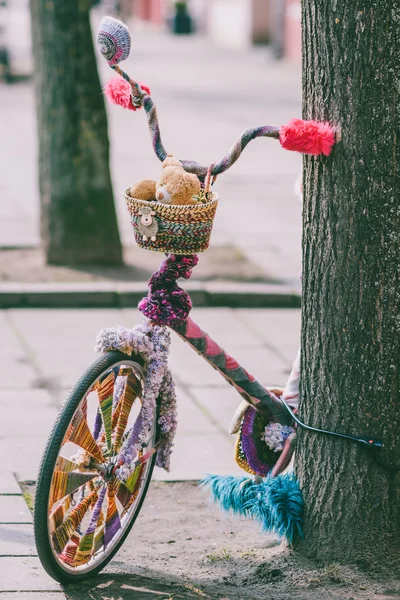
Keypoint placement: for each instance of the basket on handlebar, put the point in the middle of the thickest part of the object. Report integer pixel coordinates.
(181, 229)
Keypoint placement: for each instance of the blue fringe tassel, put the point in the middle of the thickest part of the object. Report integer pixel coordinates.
(276, 503)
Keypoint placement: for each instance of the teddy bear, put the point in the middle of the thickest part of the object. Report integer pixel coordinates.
(145, 189)
(175, 185)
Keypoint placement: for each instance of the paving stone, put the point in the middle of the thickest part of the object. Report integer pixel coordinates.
(13, 509)
(27, 453)
(50, 325)
(221, 403)
(192, 420)
(278, 328)
(8, 483)
(17, 540)
(15, 370)
(29, 412)
(25, 574)
(77, 329)
(189, 368)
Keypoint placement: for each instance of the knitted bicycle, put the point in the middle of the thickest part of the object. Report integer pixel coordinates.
(120, 418)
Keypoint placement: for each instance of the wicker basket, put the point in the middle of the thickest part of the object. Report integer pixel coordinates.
(181, 229)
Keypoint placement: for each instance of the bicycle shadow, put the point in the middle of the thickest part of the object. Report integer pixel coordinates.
(135, 587)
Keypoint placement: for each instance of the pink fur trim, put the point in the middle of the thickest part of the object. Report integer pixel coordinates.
(118, 91)
(308, 137)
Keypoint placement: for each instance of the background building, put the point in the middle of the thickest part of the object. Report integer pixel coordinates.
(234, 23)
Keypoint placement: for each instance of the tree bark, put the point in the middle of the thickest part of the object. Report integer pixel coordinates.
(78, 220)
(351, 293)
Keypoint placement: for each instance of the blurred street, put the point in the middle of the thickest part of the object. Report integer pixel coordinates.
(206, 97)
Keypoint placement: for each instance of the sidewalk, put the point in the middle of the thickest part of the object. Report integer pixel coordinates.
(206, 97)
(43, 352)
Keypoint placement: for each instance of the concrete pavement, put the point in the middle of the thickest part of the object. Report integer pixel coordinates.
(206, 97)
(43, 352)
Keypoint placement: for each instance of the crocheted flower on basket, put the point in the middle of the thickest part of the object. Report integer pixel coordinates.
(275, 436)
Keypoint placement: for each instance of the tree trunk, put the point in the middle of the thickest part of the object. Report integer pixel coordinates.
(351, 292)
(78, 220)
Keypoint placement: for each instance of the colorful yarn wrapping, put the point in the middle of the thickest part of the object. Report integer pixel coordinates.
(182, 229)
(276, 503)
(85, 548)
(275, 435)
(252, 453)
(118, 91)
(113, 522)
(64, 532)
(151, 342)
(113, 40)
(308, 137)
(167, 303)
(80, 434)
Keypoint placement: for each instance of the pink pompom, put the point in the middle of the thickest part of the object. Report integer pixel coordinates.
(308, 137)
(118, 91)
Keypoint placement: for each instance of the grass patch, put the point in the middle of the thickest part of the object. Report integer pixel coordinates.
(221, 555)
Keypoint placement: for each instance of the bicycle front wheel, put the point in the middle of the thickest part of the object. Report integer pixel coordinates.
(83, 513)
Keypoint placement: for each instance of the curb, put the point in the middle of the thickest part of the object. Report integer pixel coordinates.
(127, 295)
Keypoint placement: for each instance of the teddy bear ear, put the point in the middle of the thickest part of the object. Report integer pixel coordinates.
(194, 182)
(171, 161)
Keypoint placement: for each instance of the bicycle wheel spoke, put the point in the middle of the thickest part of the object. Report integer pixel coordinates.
(69, 552)
(98, 539)
(86, 545)
(113, 523)
(65, 483)
(105, 393)
(130, 487)
(131, 392)
(97, 424)
(57, 516)
(63, 534)
(81, 435)
(65, 464)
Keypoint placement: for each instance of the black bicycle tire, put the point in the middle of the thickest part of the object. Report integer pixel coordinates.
(46, 469)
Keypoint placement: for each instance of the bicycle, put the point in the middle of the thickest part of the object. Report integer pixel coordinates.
(120, 418)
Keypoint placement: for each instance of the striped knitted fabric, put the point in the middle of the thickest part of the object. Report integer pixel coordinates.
(130, 393)
(85, 548)
(181, 229)
(64, 532)
(113, 40)
(113, 523)
(105, 393)
(65, 483)
(80, 434)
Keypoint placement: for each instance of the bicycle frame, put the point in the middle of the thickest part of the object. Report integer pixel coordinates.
(309, 137)
(248, 387)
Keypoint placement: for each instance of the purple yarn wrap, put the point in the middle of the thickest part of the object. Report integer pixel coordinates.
(167, 303)
(249, 445)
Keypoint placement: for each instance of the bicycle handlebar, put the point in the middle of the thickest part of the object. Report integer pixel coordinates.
(141, 98)
(310, 137)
